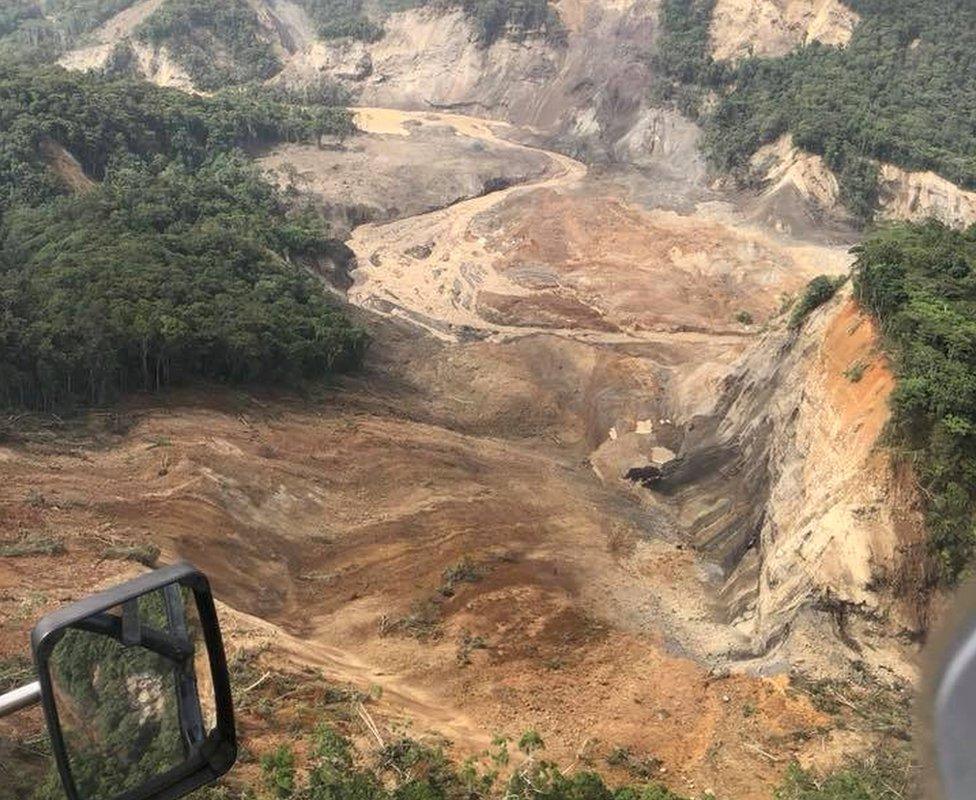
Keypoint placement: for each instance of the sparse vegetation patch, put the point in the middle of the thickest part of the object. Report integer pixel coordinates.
(819, 291)
(32, 545)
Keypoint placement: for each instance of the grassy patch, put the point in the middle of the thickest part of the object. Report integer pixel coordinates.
(145, 554)
(15, 671)
(855, 372)
(640, 767)
(423, 622)
(328, 765)
(467, 644)
(464, 571)
(879, 777)
(33, 545)
(882, 711)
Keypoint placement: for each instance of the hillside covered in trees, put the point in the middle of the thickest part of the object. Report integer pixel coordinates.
(920, 283)
(902, 91)
(219, 42)
(180, 262)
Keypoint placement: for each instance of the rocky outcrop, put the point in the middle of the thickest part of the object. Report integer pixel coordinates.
(798, 193)
(786, 168)
(156, 65)
(741, 28)
(920, 195)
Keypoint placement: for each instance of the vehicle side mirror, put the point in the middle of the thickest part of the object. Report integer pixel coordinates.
(135, 689)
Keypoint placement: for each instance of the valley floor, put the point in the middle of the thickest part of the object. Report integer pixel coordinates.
(452, 525)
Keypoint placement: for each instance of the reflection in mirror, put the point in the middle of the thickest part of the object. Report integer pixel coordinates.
(125, 684)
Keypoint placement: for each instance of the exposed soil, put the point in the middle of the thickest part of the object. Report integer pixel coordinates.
(331, 518)
(517, 334)
(393, 172)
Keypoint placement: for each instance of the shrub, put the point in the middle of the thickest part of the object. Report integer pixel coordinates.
(464, 571)
(360, 28)
(855, 372)
(145, 554)
(819, 291)
(279, 771)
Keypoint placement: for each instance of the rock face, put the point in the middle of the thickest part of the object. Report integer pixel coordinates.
(783, 482)
(587, 96)
(799, 185)
(799, 193)
(588, 93)
(742, 28)
(920, 195)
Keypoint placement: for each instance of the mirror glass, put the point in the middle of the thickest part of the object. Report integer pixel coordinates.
(127, 684)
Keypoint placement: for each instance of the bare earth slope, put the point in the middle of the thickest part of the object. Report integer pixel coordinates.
(588, 481)
(520, 371)
(775, 27)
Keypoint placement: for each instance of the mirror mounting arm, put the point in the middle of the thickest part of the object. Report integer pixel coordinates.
(19, 699)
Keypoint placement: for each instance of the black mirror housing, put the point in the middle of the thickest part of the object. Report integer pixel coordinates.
(208, 751)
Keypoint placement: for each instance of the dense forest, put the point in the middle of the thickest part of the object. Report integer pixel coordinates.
(219, 42)
(920, 283)
(18, 13)
(100, 121)
(181, 262)
(902, 91)
(337, 19)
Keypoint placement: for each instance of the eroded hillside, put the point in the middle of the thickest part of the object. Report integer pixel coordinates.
(594, 479)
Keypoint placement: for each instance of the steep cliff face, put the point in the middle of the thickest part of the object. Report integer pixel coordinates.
(156, 65)
(797, 189)
(742, 28)
(786, 484)
(588, 95)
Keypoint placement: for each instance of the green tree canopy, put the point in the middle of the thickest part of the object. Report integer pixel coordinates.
(920, 282)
